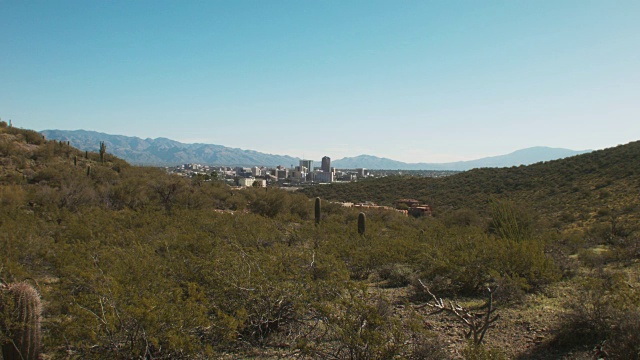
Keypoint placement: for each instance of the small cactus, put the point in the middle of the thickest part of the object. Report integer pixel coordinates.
(21, 311)
(317, 208)
(362, 223)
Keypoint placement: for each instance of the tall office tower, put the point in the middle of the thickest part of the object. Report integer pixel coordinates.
(326, 164)
(308, 164)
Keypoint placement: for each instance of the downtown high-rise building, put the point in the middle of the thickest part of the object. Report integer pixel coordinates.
(326, 164)
(307, 164)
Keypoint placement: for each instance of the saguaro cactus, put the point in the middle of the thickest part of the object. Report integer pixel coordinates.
(75, 161)
(103, 149)
(21, 311)
(362, 223)
(317, 208)
(89, 170)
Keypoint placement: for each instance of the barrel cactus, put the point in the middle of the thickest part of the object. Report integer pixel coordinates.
(20, 312)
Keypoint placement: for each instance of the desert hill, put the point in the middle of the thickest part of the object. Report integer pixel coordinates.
(600, 183)
(131, 262)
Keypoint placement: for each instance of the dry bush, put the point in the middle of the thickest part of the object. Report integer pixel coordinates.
(606, 304)
(397, 275)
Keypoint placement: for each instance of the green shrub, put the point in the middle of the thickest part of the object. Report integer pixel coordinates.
(271, 203)
(363, 327)
(463, 217)
(604, 308)
(510, 221)
(397, 275)
(429, 348)
(624, 342)
(466, 263)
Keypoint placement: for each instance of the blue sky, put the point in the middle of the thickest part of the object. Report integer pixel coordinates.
(417, 81)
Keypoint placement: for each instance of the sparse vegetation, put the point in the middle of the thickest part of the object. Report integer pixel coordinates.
(134, 263)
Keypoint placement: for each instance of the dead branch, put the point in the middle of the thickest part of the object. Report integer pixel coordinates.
(477, 323)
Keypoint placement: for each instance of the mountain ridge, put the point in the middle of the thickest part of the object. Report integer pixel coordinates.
(166, 152)
(525, 156)
(163, 151)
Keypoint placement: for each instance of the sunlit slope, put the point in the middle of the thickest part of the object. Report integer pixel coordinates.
(579, 188)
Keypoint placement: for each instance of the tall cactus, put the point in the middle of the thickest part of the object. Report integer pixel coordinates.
(317, 208)
(362, 223)
(103, 149)
(21, 311)
(89, 170)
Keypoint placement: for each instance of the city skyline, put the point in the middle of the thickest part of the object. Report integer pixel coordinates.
(414, 81)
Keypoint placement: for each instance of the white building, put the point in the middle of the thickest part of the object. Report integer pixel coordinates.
(246, 181)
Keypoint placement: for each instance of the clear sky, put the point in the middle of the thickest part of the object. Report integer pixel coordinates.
(417, 81)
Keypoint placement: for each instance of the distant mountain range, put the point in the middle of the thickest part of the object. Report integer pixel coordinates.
(519, 157)
(166, 152)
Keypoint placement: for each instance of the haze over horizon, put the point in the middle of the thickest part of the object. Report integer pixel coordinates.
(93, 146)
(414, 81)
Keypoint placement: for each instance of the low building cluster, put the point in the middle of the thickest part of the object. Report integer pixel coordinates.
(413, 207)
(405, 206)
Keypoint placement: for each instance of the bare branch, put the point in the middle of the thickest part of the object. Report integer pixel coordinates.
(477, 323)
